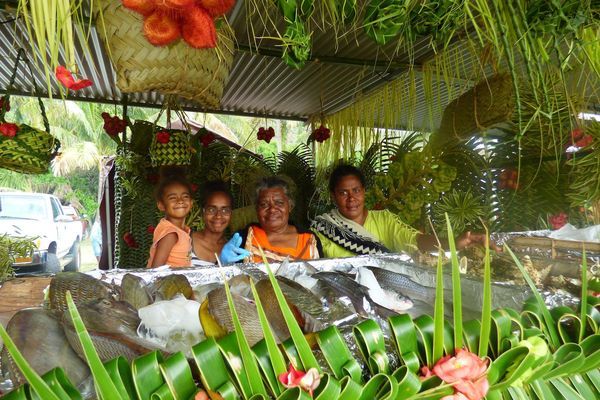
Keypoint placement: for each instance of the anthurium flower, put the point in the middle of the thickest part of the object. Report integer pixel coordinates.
(9, 129)
(307, 381)
(65, 77)
(472, 390)
(163, 137)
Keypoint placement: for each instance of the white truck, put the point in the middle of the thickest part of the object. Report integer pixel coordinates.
(41, 217)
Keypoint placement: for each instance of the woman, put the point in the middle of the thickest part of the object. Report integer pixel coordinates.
(351, 229)
(274, 233)
(216, 213)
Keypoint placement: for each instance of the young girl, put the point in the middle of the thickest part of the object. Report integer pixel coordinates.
(172, 243)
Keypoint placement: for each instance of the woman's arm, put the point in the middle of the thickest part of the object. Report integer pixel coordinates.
(163, 249)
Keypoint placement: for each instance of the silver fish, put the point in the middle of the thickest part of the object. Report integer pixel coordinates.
(403, 284)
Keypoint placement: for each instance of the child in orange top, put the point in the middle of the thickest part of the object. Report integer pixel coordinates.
(172, 243)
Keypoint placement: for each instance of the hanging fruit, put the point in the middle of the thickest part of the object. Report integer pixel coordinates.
(144, 7)
(321, 134)
(206, 137)
(130, 240)
(217, 8)
(265, 134)
(199, 30)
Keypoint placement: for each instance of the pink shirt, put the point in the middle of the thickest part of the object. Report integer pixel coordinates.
(180, 255)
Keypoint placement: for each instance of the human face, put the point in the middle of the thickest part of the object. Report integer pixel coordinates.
(217, 212)
(176, 201)
(273, 209)
(349, 198)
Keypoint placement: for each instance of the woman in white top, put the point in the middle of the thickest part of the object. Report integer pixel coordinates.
(216, 212)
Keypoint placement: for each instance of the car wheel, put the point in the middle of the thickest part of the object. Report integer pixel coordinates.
(75, 255)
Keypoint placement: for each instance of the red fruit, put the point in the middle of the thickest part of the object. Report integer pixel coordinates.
(178, 6)
(130, 240)
(163, 137)
(8, 129)
(160, 29)
(576, 134)
(217, 7)
(144, 7)
(207, 139)
(198, 29)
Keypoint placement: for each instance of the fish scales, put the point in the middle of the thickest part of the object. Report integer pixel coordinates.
(400, 283)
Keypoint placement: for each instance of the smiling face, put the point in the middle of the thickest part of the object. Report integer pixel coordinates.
(217, 212)
(349, 197)
(176, 201)
(273, 209)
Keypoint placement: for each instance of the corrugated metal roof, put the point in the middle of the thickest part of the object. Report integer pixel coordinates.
(258, 85)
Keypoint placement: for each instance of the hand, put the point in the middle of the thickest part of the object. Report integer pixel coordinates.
(232, 252)
(468, 239)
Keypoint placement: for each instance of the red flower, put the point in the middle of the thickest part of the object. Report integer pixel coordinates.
(307, 381)
(265, 134)
(150, 229)
(144, 7)
(194, 187)
(466, 372)
(65, 77)
(130, 240)
(5, 105)
(9, 129)
(558, 220)
(321, 134)
(207, 138)
(113, 125)
(198, 29)
(217, 7)
(163, 137)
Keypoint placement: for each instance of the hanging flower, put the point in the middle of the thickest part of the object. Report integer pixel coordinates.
(163, 137)
(5, 104)
(160, 29)
(9, 129)
(144, 7)
(150, 229)
(65, 77)
(307, 381)
(113, 125)
(466, 372)
(207, 138)
(130, 240)
(265, 134)
(558, 220)
(321, 134)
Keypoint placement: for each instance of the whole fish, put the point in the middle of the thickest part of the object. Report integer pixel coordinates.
(166, 287)
(135, 291)
(344, 286)
(112, 326)
(39, 336)
(400, 283)
(83, 288)
(386, 298)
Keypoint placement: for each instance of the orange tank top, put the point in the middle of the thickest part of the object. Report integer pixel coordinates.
(181, 253)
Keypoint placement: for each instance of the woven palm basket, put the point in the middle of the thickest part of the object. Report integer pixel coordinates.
(195, 74)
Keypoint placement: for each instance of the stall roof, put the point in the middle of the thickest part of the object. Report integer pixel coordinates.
(260, 84)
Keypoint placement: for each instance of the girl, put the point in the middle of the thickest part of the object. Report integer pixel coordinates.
(172, 242)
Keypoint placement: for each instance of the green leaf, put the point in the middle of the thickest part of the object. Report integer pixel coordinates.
(566, 390)
(104, 385)
(584, 295)
(250, 366)
(380, 387)
(456, 289)
(306, 355)
(337, 355)
(350, 389)
(36, 382)
(486, 308)
(213, 372)
(549, 324)
(408, 382)
(582, 387)
(178, 376)
(120, 373)
(438, 315)
(568, 359)
(329, 388)
(60, 384)
(404, 335)
(371, 344)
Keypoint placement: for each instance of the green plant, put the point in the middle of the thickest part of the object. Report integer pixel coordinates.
(463, 209)
(10, 249)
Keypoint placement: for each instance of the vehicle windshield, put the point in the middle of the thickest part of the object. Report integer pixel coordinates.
(26, 207)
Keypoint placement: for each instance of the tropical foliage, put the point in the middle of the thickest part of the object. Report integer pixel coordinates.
(536, 353)
(10, 249)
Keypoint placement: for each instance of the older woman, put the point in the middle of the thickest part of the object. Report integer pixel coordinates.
(274, 233)
(351, 229)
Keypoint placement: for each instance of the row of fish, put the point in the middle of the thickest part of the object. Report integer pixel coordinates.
(110, 312)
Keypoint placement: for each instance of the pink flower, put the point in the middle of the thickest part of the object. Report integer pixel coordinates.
(307, 381)
(9, 129)
(65, 77)
(464, 365)
(426, 372)
(473, 390)
(163, 137)
(455, 396)
(558, 220)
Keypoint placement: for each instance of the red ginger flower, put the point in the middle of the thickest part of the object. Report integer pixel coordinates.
(265, 134)
(163, 137)
(65, 77)
(466, 372)
(130, 240)
(113, 125)
(321, 134)
(207, 138)
(307, 381)
(150, 229)
(9, 129)
(558, 220)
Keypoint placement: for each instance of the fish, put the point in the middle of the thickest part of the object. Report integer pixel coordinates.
(83, 288)
(343, 285)
(112, 325)
(400, 283)
(386, 298)
(39, 336)
(135, 291)
(166, 287)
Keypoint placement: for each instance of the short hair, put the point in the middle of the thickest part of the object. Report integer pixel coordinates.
(212, 187)
(342, 171)
(168, 180)
(273, 182)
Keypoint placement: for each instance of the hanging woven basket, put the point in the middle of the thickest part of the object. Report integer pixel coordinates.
(170, 147)
(196, 74)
